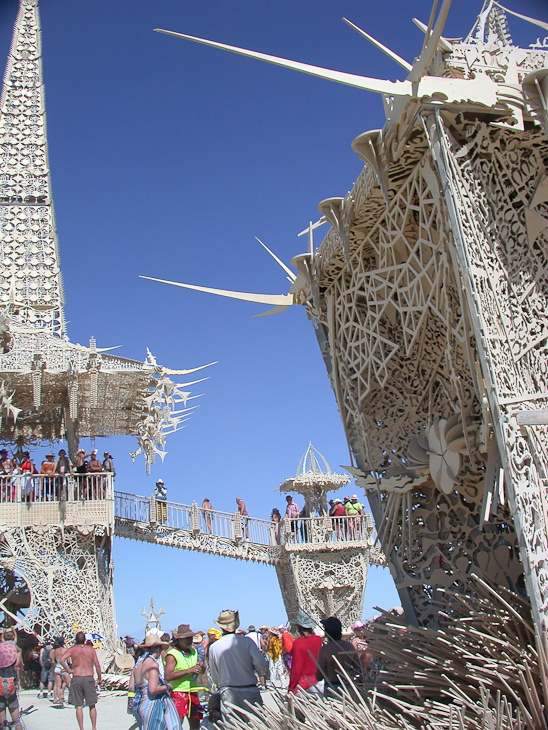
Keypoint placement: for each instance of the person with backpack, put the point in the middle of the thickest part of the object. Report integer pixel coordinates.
(46, 672)
(10, 659)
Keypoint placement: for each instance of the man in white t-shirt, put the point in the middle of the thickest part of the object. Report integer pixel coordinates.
(254, 635)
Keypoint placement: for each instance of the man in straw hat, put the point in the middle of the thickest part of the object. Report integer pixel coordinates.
(233, 661)
(181, 671)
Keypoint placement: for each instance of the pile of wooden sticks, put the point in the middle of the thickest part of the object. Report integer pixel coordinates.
(484, 667)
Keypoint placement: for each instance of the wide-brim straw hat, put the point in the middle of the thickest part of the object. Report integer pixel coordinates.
(152, 640)
(183, 631)
(228, 620)
(8, 654)
(125, 662)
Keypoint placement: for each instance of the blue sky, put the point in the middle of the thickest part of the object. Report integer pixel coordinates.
(167, 158)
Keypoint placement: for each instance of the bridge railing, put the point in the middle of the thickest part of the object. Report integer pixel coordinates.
(158, 513)
(36, 499)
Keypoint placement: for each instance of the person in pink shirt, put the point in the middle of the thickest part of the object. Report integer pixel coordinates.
(292, 511)
(304, 654)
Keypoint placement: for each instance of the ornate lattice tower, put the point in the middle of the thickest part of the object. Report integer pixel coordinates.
(429, 298)
(51, 388)
(319, 575)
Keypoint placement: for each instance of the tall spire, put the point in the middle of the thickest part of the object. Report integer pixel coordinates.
(30, 280)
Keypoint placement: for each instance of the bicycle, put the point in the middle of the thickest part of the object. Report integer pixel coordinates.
(11, 724)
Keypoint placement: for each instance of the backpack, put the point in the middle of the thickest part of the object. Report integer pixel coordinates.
(46, 663)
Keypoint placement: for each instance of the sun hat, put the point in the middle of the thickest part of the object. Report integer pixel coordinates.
(152, 640)
(8, 655)
(338, 500)
(228, 620)
(197, 638)
(354, 496)
(216, 633)
(357, 625)
(50, 453)
(94, 451)
(183, 631)
(160, 481)
(305, 621)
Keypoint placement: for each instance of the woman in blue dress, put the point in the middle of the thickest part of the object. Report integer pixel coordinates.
(152, 706)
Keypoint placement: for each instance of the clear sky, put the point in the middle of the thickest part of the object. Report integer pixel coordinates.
(167, 158)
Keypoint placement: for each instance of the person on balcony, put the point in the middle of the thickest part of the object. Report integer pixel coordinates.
(95, 482)
(63, 468)
(276, 519)
(6, 470)
(108, 465)
(354, 510)
(27, 481)
(160, 495)
(81, 471)
(47, 482)
(292, 511)
(338, 513)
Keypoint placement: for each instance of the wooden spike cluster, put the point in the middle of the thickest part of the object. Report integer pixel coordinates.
(485, 668)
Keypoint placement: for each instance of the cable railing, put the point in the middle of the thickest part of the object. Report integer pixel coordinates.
(234, 526)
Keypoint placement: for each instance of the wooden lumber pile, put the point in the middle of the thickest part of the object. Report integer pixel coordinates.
(483, 668)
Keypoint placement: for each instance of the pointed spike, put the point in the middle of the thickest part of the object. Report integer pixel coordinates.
(292, 276)
(394, 56)
(276, 299)
(444, 43)
(274, 310)
(393, 88)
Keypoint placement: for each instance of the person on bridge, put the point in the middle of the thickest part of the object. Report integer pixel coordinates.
(206, 509)
(160, 495)
(242, 509)
(82, 685)
(181, 671)
(233, 662)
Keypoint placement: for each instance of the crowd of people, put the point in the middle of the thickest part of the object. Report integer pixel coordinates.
(174, 674)
(49, 481)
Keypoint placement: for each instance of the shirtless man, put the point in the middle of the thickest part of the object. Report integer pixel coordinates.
(82, 686)
(342, 650)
